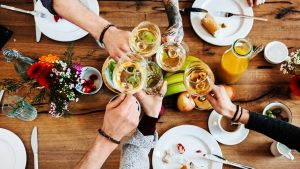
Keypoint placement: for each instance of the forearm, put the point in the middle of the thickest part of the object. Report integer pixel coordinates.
(97, 154)
(278, 130)
(77, 13)
(172, 9)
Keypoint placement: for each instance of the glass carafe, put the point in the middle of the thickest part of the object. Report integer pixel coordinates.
(234, 61)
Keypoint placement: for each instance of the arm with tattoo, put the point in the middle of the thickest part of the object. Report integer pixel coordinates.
(175, 30)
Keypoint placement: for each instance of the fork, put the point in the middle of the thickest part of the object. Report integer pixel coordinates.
(34, 13)
(229, 14)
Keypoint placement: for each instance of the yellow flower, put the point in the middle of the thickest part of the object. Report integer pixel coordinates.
(49, 59)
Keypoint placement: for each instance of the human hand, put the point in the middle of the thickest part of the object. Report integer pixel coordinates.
(174, 33)
(116, 42)
(221, 102)
(152, 103)
(121, 116)
(255, 2)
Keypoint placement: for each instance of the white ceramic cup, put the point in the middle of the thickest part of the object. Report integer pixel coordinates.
(276, 52)
(218, 123)
(278, 149)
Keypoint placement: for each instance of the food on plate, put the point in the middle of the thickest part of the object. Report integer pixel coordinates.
(180, 148)
(193, 166)
(167, 156)
(230, 91)
(202, 103)
(185, 102)
(223, 25)
(211, 25)
(57, 17)
(277, 113)
(184, 167)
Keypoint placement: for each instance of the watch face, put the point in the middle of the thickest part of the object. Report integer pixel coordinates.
(100, 44)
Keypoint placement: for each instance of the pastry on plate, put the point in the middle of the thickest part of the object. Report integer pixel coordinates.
(211, 25)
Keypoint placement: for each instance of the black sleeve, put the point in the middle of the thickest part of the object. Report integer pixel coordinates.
(49, 5)
(278, 130)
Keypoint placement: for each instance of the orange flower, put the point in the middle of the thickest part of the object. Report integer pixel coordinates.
(49, 59)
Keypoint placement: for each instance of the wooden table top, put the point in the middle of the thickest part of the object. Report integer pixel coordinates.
(63, 141)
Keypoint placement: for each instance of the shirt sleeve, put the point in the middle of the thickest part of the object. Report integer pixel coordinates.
(278, 130)
(49, 5)
(135, 151)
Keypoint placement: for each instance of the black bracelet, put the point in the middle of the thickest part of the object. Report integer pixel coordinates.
(236, 112)
(103, 32)
(108, 137)
(240, 115)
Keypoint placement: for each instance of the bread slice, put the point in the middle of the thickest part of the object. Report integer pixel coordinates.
(211, 25)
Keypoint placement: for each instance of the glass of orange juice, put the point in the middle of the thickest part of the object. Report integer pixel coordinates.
(234, 61)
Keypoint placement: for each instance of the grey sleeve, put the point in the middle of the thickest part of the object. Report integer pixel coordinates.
(135, 151)
(49, 5)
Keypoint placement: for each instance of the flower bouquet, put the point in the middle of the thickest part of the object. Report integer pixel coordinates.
(60, 78)
(292, 67)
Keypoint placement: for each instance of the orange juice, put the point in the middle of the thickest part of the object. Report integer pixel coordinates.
(234, 61)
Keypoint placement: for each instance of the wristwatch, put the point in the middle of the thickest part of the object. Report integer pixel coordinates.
(100, 40)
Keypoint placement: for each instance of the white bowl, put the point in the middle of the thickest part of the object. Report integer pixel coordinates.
(87, 71)
(276, 52)
(275, 105)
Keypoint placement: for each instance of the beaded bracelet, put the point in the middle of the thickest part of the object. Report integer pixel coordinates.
(108, 137)
(240, 115)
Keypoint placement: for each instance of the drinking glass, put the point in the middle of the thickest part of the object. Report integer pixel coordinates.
(198, 79)
(171, 56)
(16, 107)
(154, 79)
(145, 39)
(129, 74)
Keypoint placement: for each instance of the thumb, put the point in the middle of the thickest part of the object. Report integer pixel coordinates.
(116, 102)
(211, 100)
(163, 89)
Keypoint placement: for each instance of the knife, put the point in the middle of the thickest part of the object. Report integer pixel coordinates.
(34, 146)
(184, 10)
(38, 33)
(217, 158)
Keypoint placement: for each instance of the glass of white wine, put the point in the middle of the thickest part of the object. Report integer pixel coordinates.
(154, 79)
(171, 56)
(145, 39)
(129, 74)
(198, 79)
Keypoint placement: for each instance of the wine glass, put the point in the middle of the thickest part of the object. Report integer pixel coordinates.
(129, 74)
(198, 79)
(145, 39)
(171, 56)
(154, 79)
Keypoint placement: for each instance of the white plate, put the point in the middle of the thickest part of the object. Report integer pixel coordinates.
(222, 137)
(62, 30)
(193, 138)
(12, 151)
(236, 27)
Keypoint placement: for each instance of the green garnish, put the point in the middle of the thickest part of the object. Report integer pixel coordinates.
(148, 37)
(111, 66)
(270, 114)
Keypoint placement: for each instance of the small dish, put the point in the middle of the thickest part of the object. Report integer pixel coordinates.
(226, 138)
(86, 74)
(276, 105)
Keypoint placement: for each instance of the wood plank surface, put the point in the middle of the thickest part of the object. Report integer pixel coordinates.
(63, 141)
